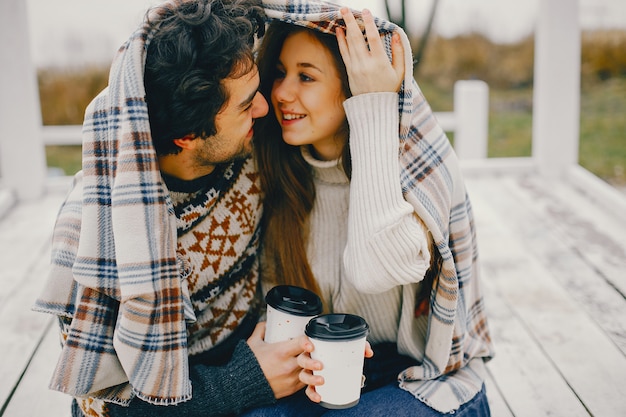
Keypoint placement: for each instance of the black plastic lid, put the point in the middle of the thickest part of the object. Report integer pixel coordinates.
(294, 300)
(337, 327)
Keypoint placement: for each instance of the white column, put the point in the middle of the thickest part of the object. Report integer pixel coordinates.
(22, 153)
(471, 111)
(556, 92)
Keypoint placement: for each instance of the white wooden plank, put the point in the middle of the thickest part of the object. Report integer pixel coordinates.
(528, 381)
(24, 256)
(497, 403)
(610, 198)
(32, 397)
(26, 230)
(591, 363)
(62, 135)
(568, 257)
(598, 236)
(7, 200)
(21, 328)
(543, 298)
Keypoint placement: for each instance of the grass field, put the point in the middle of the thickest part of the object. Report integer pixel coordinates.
(602, 148)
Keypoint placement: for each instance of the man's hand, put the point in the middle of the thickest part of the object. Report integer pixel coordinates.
(279, 361)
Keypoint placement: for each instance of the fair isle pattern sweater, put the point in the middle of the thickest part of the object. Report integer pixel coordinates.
(218, 234)
(218, 239)
(217, 244)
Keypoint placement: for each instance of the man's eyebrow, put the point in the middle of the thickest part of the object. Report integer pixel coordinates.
(248, 100)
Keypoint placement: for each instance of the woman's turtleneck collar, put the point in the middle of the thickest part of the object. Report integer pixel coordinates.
(327, 171)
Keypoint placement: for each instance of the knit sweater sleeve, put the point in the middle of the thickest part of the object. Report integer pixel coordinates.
(387, 243)
(217, 391)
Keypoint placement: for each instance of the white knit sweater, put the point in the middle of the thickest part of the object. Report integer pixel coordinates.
(367, 249)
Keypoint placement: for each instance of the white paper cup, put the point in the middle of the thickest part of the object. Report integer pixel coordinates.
(339, 343)
(289, 309)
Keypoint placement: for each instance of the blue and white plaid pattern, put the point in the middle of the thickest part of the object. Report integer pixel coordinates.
(125, 282)
(115, 270)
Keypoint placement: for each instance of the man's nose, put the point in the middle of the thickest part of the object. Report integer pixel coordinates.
(260, 106)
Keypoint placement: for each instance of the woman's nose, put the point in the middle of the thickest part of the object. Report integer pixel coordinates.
(282, 90)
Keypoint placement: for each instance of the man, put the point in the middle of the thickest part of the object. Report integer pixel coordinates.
(154, 272)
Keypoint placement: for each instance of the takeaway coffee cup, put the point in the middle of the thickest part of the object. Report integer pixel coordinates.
(339, 343)
(289, 309)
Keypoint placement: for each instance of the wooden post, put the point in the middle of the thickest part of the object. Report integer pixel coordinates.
(556, 92)
(22, 152)
(471, 111)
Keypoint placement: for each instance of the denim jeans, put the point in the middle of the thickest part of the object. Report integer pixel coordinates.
(389, 400)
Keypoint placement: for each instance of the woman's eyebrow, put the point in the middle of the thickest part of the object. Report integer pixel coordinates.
(280, 64)
(308, 65)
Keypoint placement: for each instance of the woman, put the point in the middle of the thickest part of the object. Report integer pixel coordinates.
(372, 233)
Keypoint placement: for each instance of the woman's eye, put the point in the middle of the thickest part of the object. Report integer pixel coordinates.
(304, 77)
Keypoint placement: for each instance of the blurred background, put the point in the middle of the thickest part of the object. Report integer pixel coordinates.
(73, 42)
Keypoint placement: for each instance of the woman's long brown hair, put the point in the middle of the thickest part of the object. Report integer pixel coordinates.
(286, 178)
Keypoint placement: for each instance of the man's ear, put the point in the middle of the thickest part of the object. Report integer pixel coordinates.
(186, 142)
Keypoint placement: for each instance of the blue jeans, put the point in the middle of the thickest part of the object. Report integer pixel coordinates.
(389, 400)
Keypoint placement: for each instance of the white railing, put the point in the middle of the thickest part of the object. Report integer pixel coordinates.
(62, 135)
(555, 112)
(469, 121)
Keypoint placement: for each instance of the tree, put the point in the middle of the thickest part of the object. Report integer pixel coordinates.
(418, 51)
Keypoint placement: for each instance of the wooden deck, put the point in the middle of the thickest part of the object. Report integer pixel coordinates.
(554, 265)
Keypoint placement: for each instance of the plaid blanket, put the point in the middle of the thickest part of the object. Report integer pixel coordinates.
(115, 271)
(125, 294)
(432, 183)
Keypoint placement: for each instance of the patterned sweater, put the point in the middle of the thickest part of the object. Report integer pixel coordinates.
(149, 284)
(217, 221)
(218, 234)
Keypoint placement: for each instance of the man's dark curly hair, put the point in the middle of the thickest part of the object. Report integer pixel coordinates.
(196, 44)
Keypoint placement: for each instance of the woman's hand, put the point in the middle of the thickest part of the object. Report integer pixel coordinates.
(309, 365)
(369, 69)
